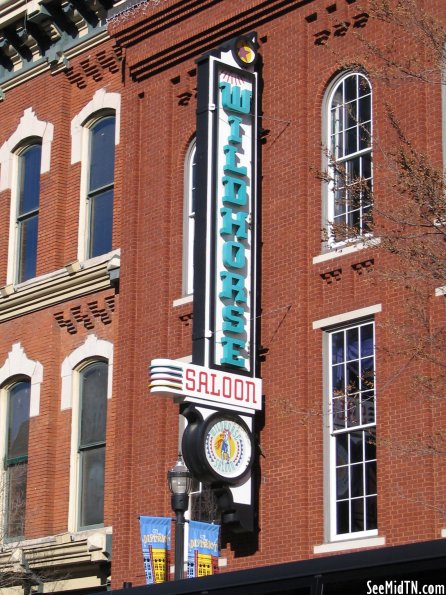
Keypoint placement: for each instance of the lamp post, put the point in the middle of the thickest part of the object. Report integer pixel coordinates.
(180, 481)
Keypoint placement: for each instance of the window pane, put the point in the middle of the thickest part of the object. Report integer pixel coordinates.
(352, 377)
(356, 451)
(366, 340)
(371, 513)
(29, 172)
(18, 420)
(352, 344)
(350, 88)
(92, 492)
(102, 153)
(342, 449)
(370, 445)
(351, 114)
(370, 478)
(337, 347)
(101, 223)
(365, 111)
(368, 408)
(358, 515)
(93, 403)
(342, 517)
(27, 261)
(351, 141)
(16, 499)
(357, 480)
(193, 180)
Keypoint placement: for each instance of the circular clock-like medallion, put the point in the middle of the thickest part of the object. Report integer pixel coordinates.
(228, 447)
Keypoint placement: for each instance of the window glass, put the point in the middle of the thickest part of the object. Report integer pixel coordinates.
(93, 416)
(350, 149)
(101, 186)
(92, 496)
(19, 399)
(28, 211)
(16, 460)
(102, 153)
(189, 225)
(94, 403)
(352, 398)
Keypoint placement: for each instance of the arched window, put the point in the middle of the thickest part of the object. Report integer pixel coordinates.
(28, 191)
(93, 379)
(349, 142)
(16, 456)
(100, 187)
(190, 175)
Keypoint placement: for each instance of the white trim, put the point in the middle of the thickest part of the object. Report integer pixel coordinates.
(58, 286)
(93, 347)
(187, 299)
(443, 533)
(347, 316)
(17, 363)
(29, 127)
(351, 544)
(80, 152)
(327, 188)
(101, 101)
(439, 291)
(188, 221)
(347, 249)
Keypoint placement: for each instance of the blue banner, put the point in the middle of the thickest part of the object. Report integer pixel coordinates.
(203, 550)
(155, 539)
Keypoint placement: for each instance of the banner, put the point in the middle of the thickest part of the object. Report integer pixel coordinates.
(155, 539)
(202, 558)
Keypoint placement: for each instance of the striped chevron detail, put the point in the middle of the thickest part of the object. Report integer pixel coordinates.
(165, 377)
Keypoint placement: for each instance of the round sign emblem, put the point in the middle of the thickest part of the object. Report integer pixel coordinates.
(228, 447)
(244, 51)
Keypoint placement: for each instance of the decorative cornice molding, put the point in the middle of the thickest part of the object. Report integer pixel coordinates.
(60, 551)
(37, 35)
(57, 287)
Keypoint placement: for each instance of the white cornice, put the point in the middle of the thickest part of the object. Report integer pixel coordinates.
(57, 287)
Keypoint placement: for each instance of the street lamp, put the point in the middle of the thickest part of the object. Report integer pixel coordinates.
(180, 481)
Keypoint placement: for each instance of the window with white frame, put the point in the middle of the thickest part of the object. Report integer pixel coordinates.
(100, 185)
(20, 382)
(190, 174)
(27, 220)
(86, 388)
(16, 457)
(353, 485)
(95, 132)
(349, 142)
(93, 379)
(24, 157)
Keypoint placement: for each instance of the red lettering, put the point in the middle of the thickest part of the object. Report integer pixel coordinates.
(250, 392)
(215, 393)
(238, 393)
(190, 379)
(226, 387)
(202, 382)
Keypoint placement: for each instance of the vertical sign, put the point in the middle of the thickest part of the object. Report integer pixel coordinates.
(226, 239)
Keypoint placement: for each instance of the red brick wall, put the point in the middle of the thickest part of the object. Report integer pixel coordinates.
(159, 46)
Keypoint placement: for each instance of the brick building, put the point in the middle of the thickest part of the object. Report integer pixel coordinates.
(103, 188)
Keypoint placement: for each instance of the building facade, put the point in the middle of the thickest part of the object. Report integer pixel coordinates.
(104, 181)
